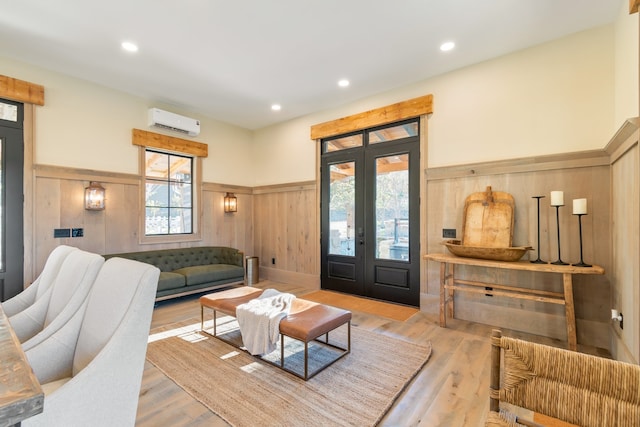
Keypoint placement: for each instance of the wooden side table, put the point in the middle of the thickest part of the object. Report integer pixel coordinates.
(449, 284)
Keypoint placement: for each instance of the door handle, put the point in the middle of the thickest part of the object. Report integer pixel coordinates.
(361, 241)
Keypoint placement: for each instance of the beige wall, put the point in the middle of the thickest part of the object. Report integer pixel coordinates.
(84, 125)
(532, 102)
(553, 98)
(626, 66)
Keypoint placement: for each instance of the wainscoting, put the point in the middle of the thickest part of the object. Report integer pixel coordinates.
(625, 251)
(280, 225)
(287, 233)
(579, 175)
(58, 200)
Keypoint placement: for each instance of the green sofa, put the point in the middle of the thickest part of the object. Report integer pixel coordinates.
(185, 271)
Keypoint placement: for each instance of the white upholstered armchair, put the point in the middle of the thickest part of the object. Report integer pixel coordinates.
(39, 287)
(65, 296)
(92, 368)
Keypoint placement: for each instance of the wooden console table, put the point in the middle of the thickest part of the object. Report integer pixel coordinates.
(449, 283)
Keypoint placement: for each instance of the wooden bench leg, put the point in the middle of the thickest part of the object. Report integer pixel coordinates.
(570, 312)
(443, 298)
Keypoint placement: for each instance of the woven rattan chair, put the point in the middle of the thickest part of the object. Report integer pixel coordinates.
(573, 387)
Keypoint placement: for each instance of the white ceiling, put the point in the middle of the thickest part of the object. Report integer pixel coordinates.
(230, 60)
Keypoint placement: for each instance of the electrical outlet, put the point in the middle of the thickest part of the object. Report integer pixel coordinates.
(449, 233)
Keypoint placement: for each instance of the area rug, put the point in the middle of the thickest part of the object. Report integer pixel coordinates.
(357, 390)
(366, 305)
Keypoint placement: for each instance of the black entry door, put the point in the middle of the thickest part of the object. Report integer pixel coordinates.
(370, 213)
(11, 198)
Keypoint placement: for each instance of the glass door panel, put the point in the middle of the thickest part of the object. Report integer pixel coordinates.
(392, 207)
(342, 238)
(342, 208)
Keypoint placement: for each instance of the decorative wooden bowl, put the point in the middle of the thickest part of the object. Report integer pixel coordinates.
(497, 254)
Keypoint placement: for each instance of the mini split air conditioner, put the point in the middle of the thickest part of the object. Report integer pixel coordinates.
(175, 122)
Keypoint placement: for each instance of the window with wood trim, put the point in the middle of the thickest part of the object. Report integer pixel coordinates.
(169, 193)
(171, 186)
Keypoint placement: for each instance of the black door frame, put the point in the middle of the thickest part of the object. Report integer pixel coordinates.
(12, 140)
(364, 274)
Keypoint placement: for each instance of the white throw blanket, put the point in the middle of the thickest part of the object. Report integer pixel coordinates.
(259, 320)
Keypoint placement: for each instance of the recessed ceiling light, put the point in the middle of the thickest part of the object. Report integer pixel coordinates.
(276, 107)
(447, 46)
(343, 83)
(129, 46)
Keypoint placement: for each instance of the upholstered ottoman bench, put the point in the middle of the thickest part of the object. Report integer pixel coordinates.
(307, 321)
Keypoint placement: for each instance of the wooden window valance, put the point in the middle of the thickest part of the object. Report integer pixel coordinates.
(380, 116)
(21, 91)
(144, 138)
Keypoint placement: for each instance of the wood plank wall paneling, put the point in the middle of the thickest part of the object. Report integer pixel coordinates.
(47, 218)
(625, 228)
(285, 230)
(281, 222)
(446, 196)
(58, 203)
(228, 229)
(21, 91)
(411, 108)
(121, 217)
(625, 243)
(625, 176)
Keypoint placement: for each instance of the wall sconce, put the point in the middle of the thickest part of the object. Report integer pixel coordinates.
(94, 197)
(230, 203)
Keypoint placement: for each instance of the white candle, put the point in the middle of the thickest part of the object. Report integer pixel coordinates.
(557, 198)
(579, 206)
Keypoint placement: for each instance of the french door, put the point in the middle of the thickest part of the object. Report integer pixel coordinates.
(11, 198)
(370, 209)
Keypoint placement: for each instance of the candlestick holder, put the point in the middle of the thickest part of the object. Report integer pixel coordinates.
(559, 261)
(538, 260)
(581, 263)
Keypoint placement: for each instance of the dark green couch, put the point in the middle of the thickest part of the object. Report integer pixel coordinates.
(185, 271)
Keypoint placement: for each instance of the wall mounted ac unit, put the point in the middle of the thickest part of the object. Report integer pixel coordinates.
(175, 122)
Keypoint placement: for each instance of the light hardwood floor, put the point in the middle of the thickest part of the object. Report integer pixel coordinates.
(451, 390)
